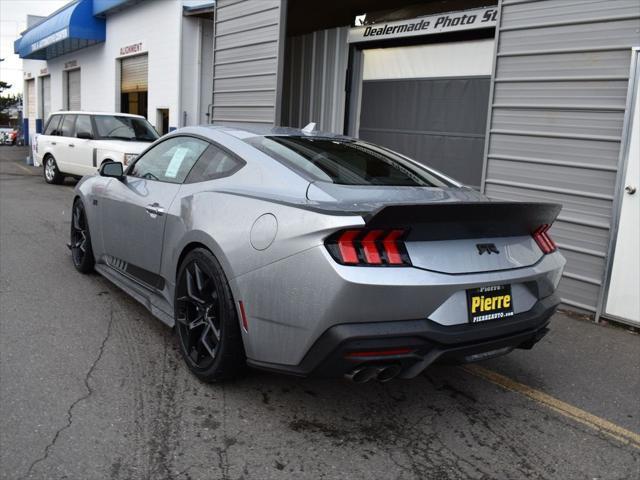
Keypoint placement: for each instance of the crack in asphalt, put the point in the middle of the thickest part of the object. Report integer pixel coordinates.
(87, 377)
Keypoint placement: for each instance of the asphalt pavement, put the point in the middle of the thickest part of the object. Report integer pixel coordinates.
(93, 387)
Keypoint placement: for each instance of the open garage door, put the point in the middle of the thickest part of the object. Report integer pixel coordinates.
(134, 85)
(430, 103)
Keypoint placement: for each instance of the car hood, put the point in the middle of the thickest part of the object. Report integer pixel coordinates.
(124, 146)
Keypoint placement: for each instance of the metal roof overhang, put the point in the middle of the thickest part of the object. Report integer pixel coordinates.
(69, 29)
(202, 10)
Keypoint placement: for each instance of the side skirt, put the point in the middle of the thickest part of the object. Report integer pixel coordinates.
(149, 299)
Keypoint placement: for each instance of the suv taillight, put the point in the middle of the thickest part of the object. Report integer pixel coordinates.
(542, 238)
(364, 247)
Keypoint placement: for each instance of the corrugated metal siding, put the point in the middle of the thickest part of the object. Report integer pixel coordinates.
(246, 61)
(315, 79)
(559, 95)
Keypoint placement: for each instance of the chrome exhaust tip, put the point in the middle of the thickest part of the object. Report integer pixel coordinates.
(388, 373)
(362, 374)
(382, 373)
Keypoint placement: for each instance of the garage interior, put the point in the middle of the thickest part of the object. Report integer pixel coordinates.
(426, 97)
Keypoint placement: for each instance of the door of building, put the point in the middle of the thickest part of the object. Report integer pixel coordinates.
(134, 85)
(623, 301)
(45, 97)
(73, 90)
(430, 103)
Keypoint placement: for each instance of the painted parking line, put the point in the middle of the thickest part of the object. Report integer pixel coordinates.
(22, 167)
(600, 424)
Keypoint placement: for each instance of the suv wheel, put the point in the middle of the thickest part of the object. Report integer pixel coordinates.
(51, 173)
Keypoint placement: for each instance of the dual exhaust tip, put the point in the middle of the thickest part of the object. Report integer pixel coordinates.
(381, 373)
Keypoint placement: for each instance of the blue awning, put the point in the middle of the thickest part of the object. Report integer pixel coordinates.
(69, 29)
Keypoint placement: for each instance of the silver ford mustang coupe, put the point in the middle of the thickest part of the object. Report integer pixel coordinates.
(316, 254)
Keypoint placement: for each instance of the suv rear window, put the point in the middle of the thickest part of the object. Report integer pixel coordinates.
(346, 161)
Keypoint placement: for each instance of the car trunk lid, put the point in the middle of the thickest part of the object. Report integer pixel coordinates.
(468, 237)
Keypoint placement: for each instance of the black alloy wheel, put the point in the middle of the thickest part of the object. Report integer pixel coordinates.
(206, 319)
(80, 241)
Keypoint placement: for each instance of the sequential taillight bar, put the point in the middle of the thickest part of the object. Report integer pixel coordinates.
(364, 247)
(542, 238)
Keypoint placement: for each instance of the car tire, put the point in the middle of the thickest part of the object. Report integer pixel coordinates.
(207, 327)
(80, 239)
(52, 174)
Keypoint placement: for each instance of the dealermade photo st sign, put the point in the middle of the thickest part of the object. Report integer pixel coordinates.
(440, 23)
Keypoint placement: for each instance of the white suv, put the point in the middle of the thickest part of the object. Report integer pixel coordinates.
(77, 143)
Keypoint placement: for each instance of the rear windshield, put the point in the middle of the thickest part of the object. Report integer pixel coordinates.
(346, 161)
(124, 128)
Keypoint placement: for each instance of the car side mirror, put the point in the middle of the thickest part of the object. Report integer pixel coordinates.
(85, 135)
(111, 169)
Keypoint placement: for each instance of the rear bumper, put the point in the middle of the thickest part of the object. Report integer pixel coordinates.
(428, 342)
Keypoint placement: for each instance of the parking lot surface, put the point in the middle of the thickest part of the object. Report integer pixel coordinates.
(93, 387)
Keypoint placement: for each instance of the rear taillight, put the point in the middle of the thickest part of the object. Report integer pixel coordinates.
(542, 238)
(363, 247)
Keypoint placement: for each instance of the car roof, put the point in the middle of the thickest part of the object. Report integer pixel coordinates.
(244, 131)
(80, 112)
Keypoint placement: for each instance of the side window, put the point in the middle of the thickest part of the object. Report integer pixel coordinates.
(83, 125)
(68, 126)
(52, 126)
(169, 161)
(214, 163)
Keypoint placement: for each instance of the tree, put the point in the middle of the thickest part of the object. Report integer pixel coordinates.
(4, 85)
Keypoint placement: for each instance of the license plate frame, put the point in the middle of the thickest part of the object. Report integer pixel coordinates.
(493, 302)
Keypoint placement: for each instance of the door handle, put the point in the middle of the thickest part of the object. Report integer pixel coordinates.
(71, 145)
(154, 210)
(630, 189)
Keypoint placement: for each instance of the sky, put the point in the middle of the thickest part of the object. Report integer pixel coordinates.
(13, 20)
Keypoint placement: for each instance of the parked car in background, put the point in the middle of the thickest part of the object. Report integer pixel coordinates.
(311, 253)
(77, 143)
(8, 135)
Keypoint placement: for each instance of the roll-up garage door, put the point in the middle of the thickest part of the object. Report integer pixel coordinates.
(31, 106)
(430, 103)
(73, 89)
(134, 74)
(46, 98)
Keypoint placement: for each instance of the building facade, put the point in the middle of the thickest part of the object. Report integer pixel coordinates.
(522, 99)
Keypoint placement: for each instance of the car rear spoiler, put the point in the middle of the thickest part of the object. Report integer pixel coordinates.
(446, 221)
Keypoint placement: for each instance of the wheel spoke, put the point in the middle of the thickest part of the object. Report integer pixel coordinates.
(199, 278)
(215, 331)
(198, 322)
(191, 289)
(76, 219)
(205, 343)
